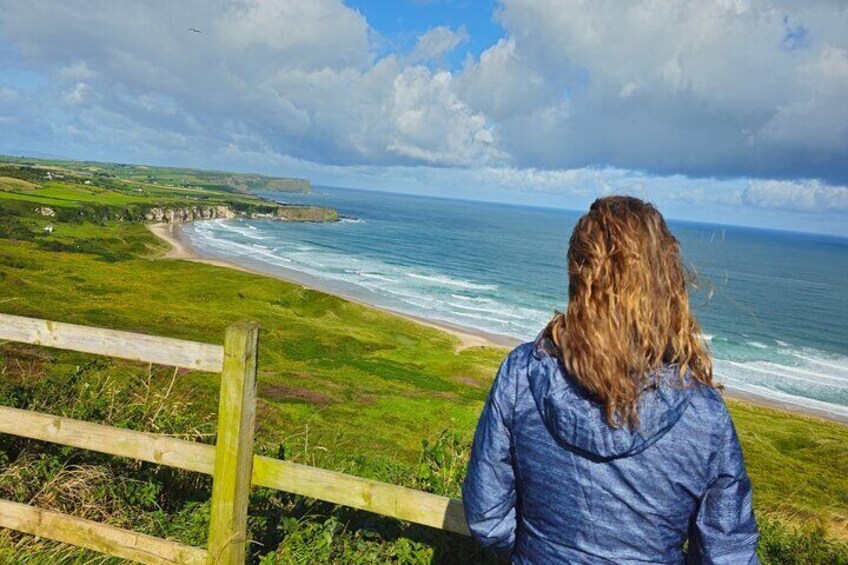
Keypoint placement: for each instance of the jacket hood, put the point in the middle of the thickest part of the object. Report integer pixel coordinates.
(578, 421)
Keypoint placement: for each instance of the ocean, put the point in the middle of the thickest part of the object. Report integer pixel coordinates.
(773, 305)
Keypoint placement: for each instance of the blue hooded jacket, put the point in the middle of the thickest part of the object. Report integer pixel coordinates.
(550, 481)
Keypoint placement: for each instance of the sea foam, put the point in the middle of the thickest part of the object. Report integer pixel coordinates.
(750, 362)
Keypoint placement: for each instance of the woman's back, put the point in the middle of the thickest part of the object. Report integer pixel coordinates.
(605, 440)
(583, 492)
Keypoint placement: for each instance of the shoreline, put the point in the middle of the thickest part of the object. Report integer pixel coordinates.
(468, 337)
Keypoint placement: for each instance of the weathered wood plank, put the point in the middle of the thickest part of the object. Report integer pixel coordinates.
(382, 498)
(234, 448)
(154, 448)
(390, 500)
(125, 345)
(97, 537)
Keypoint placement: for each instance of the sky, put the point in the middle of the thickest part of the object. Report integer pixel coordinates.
(727, 111)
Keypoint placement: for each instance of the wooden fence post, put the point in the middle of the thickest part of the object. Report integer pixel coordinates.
(234, 449)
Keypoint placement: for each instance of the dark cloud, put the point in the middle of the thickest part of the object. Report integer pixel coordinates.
(728, 88)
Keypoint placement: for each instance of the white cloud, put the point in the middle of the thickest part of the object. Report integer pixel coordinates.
(314, 34)
(504, 85)
(298, 78)
(77, 71)
(432, 125)
(806, 118)
(796, 196)
(77, 94)
(678, 87)
(438, 42)
(693, 86)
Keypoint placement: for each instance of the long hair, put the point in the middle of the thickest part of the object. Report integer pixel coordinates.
(628, 307)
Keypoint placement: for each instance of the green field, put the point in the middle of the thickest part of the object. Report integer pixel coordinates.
(342, 386)
(67, 184)
(163, 176)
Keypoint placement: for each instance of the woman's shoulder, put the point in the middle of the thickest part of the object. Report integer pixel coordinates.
(707, 404)
(709, 395)
(517, 362)
(513, 364)
(521, 354)
(523, 357)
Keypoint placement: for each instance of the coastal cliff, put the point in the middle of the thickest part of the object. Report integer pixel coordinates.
(290, 213)
(164, 214)
(187, 214)
(172, 215)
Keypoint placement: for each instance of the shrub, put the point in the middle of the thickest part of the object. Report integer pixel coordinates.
(785, 545)
(286, 528)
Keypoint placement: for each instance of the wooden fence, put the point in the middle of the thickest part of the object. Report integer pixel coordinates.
(231, 462)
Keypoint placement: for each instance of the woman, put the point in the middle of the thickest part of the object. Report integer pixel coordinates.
(605, 440)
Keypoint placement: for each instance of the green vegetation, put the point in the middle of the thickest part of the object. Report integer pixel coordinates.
(33, 206)
(164, 176)
(75, 194)
(342, 386)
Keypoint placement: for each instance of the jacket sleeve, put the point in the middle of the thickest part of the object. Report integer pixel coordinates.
(724, 530)
(488, 493)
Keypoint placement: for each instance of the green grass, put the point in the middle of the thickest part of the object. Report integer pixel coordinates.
(76, 194)
(798, 466)
(323, 359)
(84, 186)
(341, 385)
(166, 176)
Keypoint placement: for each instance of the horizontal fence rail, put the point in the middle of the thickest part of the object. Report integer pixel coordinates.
(364, 494)
(236, 470)
(143, 446)
(96, 536)
(113, 343)
(331, 486)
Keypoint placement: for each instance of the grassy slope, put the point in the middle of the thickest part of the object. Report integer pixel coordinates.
(798, 465)
(322, 358)
(391, 382)
(73, 195)
(368, 386)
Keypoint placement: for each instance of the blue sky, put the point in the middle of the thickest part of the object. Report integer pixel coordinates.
(729, 111)
(400, 23)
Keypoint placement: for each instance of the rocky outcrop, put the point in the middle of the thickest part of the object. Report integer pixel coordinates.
(188, 214)
(299, 214)
(285, 213)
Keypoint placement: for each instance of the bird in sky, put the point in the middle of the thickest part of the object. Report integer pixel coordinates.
(195, 30)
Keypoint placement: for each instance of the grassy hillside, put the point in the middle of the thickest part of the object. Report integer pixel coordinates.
(66, 188)
(165, 176)
(62, 209)
(341, 386)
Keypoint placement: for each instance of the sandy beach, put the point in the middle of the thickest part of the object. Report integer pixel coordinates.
(181, 249)
(468, 337)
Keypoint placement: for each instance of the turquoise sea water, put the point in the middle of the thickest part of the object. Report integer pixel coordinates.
(774, 305)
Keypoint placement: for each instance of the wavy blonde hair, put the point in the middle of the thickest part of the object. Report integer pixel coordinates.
(628, 307)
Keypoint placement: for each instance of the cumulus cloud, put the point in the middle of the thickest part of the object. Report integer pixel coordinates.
(684, 86)
(796, 196)
(438, 41)
(431, 124)
(296, 78)
(725, 88)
